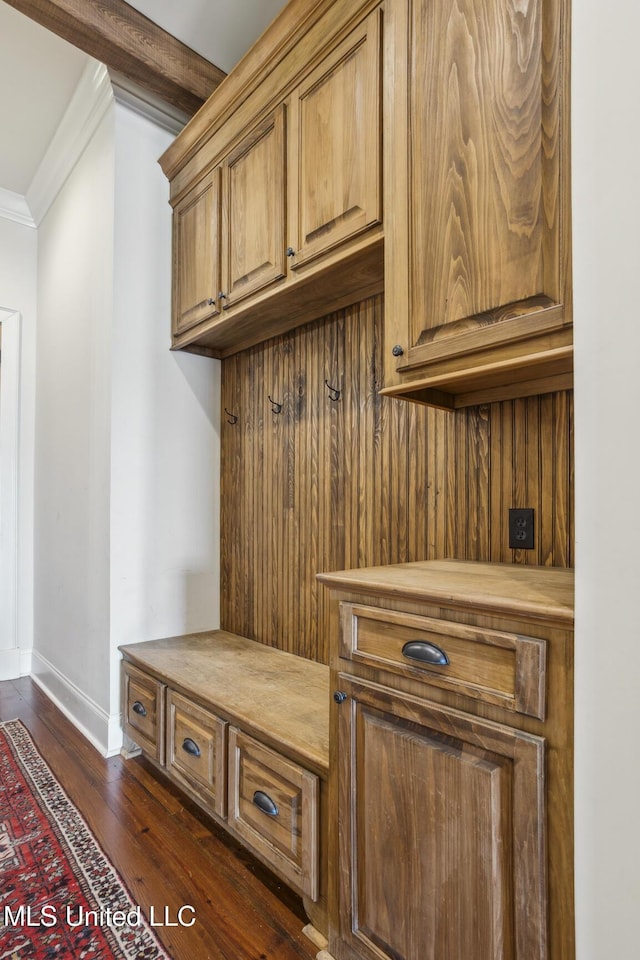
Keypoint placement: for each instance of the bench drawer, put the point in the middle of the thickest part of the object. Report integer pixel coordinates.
(273, 806)
(494, 666)
(196, 750)
(143, 700)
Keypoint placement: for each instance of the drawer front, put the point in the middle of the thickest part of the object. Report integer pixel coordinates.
(273, 806)
(500, 668)
(143, 705)
(196, 750)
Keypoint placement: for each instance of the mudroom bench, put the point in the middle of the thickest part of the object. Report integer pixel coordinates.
(243, 729)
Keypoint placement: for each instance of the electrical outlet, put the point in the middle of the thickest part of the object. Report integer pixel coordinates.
(521, 529)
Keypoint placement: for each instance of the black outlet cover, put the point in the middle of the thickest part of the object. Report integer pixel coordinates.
(521, 529)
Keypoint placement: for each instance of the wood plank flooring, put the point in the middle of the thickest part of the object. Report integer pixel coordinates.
(167, 851)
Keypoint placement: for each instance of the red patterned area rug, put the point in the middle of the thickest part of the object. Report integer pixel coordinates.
(60, 897)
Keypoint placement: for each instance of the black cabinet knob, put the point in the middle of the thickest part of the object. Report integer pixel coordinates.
(139, 708)
(397, 351)
(291, 252)
(340, 696)
(221, 295)
(211, 301)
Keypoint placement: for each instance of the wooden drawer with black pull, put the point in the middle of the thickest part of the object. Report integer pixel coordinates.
(497, 667)
(273, 806)
(196, 750)
(143, 700)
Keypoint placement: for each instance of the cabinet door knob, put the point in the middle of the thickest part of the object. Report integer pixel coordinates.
(221, 295)
(139, 708)
(211, 301)
(340, 696)
(191, 747)
(397, 351)
(425, 652)
(264, 802)
(291, 252)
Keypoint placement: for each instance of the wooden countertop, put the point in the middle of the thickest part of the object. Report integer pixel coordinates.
(279, 697)
(538, 593)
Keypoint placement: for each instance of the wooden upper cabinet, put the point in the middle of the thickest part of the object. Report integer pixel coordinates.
(196, 255)
(336, 146)
(477, 278)
(289, 162)
(253, 209)
(415, 146)
(229, 231)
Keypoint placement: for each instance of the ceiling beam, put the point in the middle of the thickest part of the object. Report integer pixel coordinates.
(132, 45)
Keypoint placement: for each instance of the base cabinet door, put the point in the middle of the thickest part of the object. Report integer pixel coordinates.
(441, 824)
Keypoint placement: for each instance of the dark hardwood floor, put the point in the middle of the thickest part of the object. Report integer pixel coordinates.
(167, 851)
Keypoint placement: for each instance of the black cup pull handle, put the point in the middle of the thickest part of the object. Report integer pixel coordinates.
(425, 652)
(191, 747)
(264, 802)
(139, 708)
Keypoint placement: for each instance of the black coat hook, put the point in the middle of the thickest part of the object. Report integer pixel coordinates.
(333, 393)
(275, 407)
(231, 417)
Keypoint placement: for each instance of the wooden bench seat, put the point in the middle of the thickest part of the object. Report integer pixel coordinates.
(279, 697)
(243, 729)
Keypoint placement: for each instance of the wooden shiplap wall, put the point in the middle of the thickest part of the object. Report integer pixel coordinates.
(369, 480)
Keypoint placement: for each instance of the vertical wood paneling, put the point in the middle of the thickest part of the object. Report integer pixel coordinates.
(548, 475)
(367, 480)
(495, 456)
(231, 452)
(441, 424)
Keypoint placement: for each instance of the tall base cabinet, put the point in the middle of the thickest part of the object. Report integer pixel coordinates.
(451, 760)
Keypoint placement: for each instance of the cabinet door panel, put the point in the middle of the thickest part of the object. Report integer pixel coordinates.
(254, 208)
(477, 229)
(196, 750)
(273, 806)
(196, 255)
(143, 703)
(439, 812)
(477, 170)
(336, 118)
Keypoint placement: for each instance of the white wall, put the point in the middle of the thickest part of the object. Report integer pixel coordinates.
(127, 446)
(165, 421)
(606, 222)
(18, 266)
(72, 470)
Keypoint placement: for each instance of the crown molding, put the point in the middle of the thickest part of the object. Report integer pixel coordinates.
(97, 89)
(87, 107)
(147, 104)
(13, 206)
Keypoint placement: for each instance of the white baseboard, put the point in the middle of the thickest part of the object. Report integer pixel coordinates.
(100, 728)
(9, 664)
(15, 663)
(25, 662)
